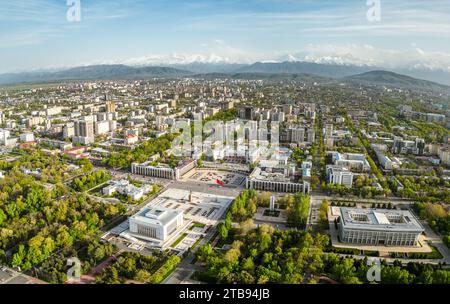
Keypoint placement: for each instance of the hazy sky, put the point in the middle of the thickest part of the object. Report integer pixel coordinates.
(36, 33)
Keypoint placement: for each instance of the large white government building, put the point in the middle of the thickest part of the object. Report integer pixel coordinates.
(379, 227)
(163, 171)
(155, 223)
(274, 181)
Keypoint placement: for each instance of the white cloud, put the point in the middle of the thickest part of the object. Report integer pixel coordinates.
(352, 54)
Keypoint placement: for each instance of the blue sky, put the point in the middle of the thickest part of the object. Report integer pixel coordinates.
(36, 34)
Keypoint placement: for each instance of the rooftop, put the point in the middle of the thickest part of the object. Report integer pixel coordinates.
(379, 219)
(156, 215)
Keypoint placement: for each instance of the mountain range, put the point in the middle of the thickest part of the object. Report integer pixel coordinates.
(390, 79)
(306, 71)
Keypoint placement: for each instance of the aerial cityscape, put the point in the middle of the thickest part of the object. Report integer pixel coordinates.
(231, 162)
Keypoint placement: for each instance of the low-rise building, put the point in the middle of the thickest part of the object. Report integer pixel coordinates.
(268, 180)
(126, 188)
(27, 137)
(353, 161)
(338, 175)
(162, 170)
(379, 227)
(62, 145)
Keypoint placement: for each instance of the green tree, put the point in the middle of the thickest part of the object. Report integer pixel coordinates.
(396, 275)
(345, 272)
(223, 230)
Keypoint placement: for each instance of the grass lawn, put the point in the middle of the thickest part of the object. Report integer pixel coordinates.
(179, 240)
(197, 225)
(434, 254)
(196, 243)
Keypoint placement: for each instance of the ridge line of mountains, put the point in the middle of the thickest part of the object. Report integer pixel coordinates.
(305, 71)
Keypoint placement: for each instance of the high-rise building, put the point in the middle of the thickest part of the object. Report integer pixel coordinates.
(4, 135)
(84, 132)
(311, 135)
(247, 113)
(328, 130)
(69, 131)
(296, 135)
(110, 106)
(287, 109)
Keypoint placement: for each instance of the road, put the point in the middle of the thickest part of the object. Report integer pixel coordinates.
(390, 261)
(437, 242)
(205, 188)
(185, 269)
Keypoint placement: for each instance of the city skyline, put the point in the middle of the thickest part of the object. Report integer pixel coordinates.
(36, 34)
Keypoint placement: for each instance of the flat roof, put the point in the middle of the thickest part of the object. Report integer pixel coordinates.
(261, 175)
(156, 215)
(379, 219)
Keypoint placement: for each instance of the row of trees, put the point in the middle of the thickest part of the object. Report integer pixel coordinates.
(297, 209)
(429, 189)
(145, 269)
(363, 191)
(437, 216)
(244, 206)
(265, 255)
(241, 209)
(90, 181)
(323, 216)
(373, 166)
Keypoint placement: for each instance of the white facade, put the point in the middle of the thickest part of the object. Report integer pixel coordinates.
(156, 223)
(53, 111)
(163, 171)
(124, 187)
(27, 137)
(339, 176)
(69, 131)
(154, 171)
(260, 180)
(101, 127)
(4, 135)
(352, 161)
(379, 227)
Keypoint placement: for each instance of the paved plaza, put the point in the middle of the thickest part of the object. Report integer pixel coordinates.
(211, 176)
(202, 208)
